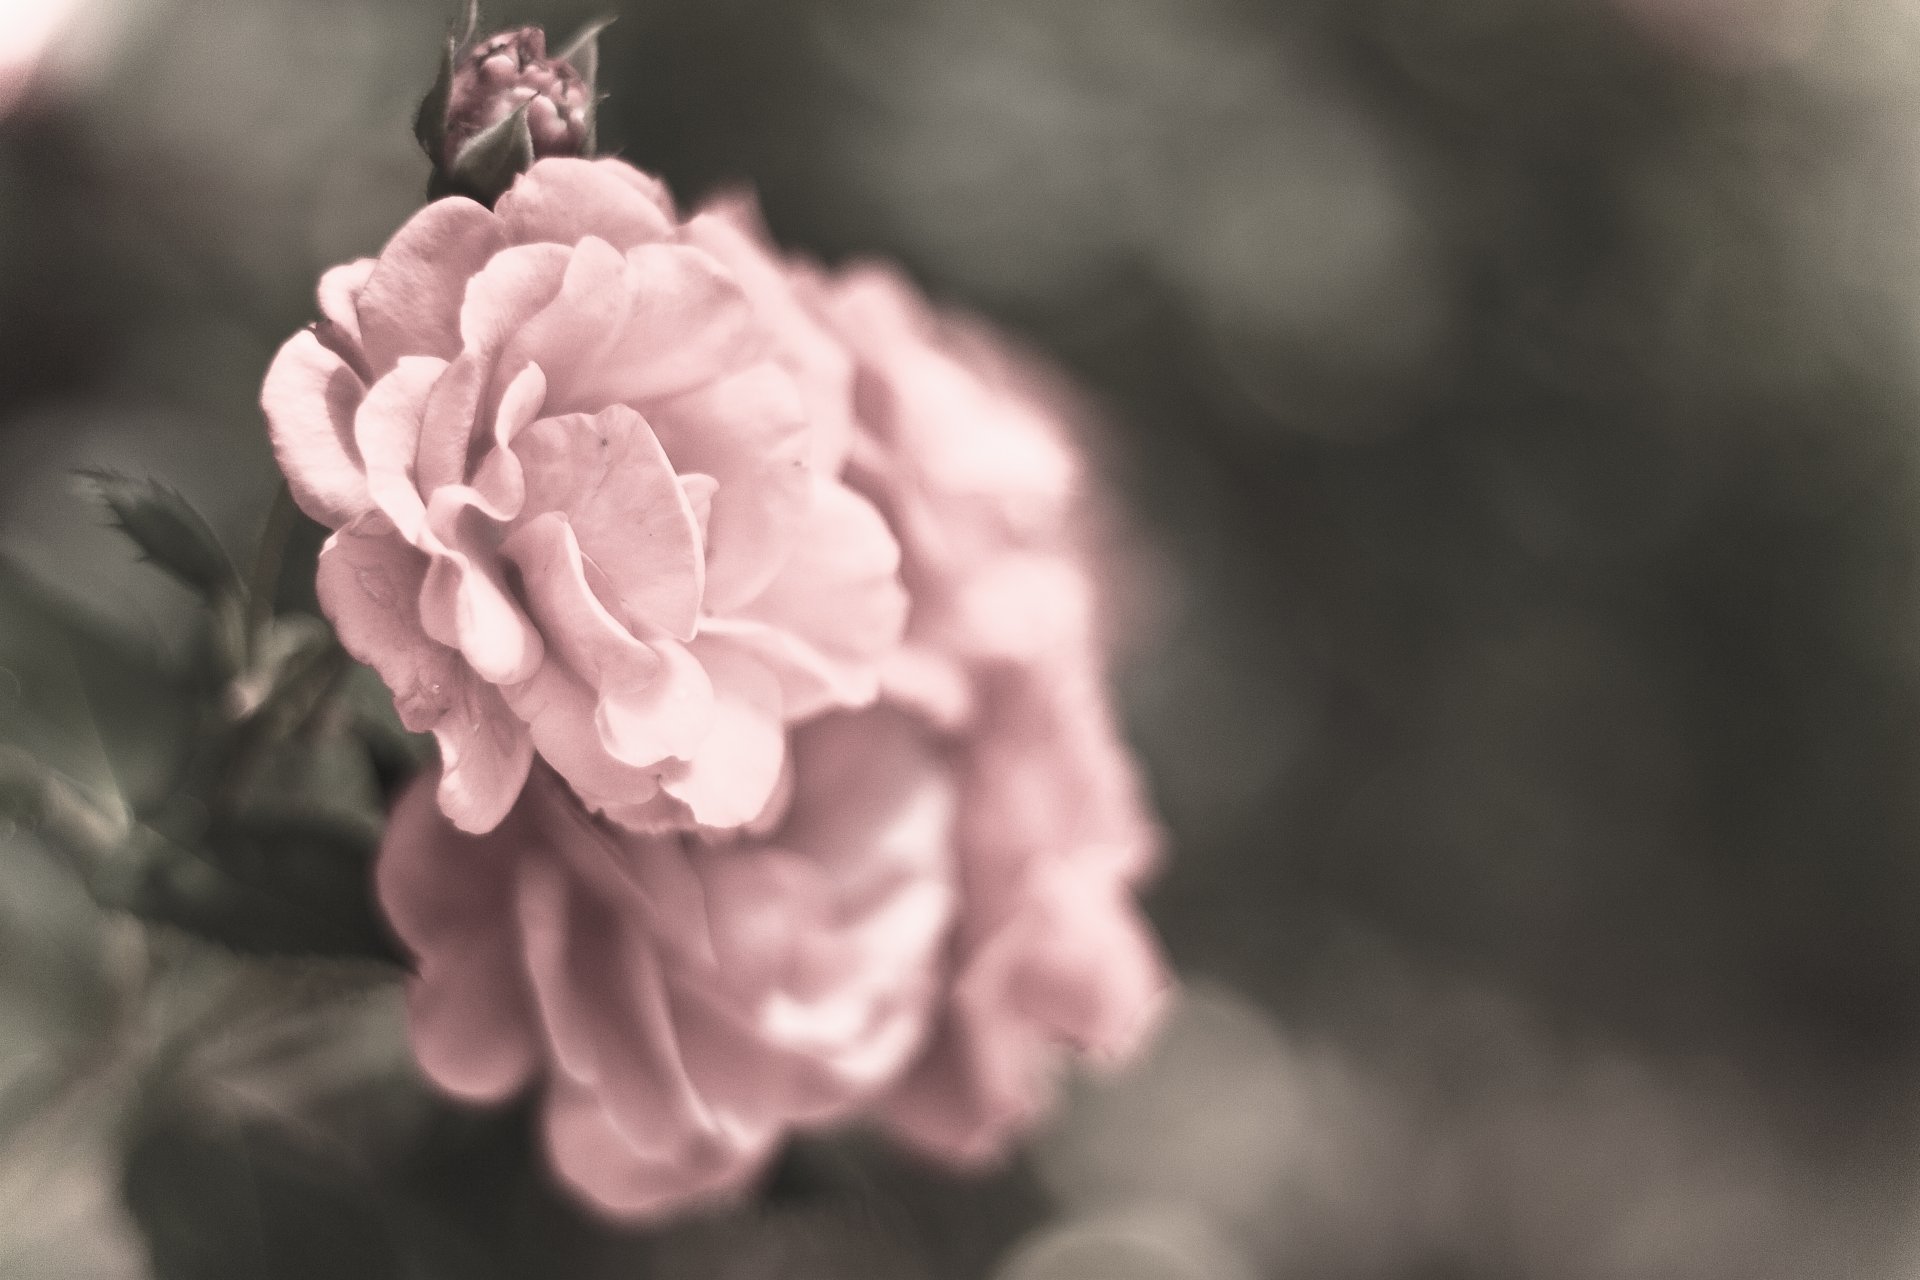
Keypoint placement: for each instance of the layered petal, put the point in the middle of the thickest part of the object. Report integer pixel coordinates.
(834, 613)
(750, 433)
(614, 483)
(566, 200)
(684, 1005)
(412, 301)
(310, 396)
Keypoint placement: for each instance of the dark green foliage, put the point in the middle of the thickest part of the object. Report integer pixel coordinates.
(166, 528)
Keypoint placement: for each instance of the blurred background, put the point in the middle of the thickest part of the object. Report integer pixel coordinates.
(1517, 407)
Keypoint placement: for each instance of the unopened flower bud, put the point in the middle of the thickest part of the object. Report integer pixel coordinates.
(500, 104)
(506, 73)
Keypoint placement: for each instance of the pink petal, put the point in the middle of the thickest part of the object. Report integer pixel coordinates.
(465, 603)
(412, 302)
(1092, 976)
(564, 200)
(484, 756)
(603, 1001)
(700, 488)
(731, 230)
(339, 293)
(508, 292)
(570, 336)
(610, 476)
(500, 477)
(560, 710)
(387, 432)
(667, 718)
(504, 296)
(471, 1031)
(369, 582)
(577, 627)
(750, 433)
(309, 397)
(639, 1184)
(448, 894)
(835, 611)
(437, 884)
(688, 325)
(447, 428)
(732, 773)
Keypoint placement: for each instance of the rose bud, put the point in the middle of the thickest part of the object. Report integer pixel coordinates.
(501, 103)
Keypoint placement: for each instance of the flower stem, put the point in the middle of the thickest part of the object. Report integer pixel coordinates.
(265, 574)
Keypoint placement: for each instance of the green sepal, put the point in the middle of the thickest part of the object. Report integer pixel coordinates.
(430, 122)
(582, 53)
(489, 163)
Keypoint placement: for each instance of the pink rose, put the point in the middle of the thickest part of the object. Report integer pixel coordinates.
(968, 453)
(925, 905)
(581, 507)
(687, 1003)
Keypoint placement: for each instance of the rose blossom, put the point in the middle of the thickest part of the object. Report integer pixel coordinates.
(937, 906)
(580, 508)
(967, 452)
(686, 1003)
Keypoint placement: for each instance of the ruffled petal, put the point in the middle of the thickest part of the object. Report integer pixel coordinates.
(612, 479)
(782, 292)
(412, 303)
(485, 754)
(577, 627)
(369, 581)
(500, 478)
(669, 717)
(733, 771)
(464, 602)
(569, 338)
(638, 1183)
(749, 432)
(559, 710)
(339, 296)
(603, 1001)
(564, 200)
(835, 611)
(387, 432)
(688, 324)
(309, 396)
(446, 893)
(512, 288)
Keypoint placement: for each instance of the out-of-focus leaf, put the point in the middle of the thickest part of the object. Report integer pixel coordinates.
(396, 753)
(329, 781)
(60, 1216)
(167, 529)
(235, 1199)
(84, 696)
(64, 983)
(263, 883)
(287, 650)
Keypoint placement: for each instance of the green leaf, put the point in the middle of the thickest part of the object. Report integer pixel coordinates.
(168, 531)
(262, 883)
(84, 696)
(219, 1197)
